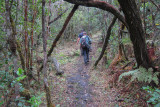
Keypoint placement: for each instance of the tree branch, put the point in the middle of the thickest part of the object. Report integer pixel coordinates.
(155, 4)
(106, 40)
(61, 32)
(59, 16)
(101, 5)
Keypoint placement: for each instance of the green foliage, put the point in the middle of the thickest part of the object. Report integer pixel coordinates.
(21, 75)
(8, 82)
(126, 40)
(142, 75)
(99, 49)
(58, 105)
(108, 63)
(155, 96)
(35, 101)
(62, 58)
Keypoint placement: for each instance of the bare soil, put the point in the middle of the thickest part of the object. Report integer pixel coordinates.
(85, 86)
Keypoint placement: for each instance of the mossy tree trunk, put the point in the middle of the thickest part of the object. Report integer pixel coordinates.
(136, 30)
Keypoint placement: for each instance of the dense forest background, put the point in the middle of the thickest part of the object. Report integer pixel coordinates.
(38, 52)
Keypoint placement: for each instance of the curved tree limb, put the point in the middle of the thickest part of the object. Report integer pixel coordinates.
(101, 5)
(106, 40)
(61, 32)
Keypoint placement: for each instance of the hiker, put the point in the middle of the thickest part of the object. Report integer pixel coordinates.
(85, 43)
(79, 37)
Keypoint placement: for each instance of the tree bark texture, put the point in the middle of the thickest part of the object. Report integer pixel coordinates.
(19, 49)
(9, 27)
(26, 33)
(106, 40)
(136, 30)
(44, 36)
(120, 42)
(34, 15)
(101, 5)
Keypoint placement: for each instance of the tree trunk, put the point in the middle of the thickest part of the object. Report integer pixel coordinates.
(61, 32)
(9, 28)
(134, 22)
(19, 49)
(120, 41)
(44, 36)
(144, 16)
(26, 34)
(34, 15)
(11, 33)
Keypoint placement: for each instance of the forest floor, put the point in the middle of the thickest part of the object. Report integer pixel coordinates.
(83, 86)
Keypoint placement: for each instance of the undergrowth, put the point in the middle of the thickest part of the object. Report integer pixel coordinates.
(8, 84)
(154, 94)
(142, 75)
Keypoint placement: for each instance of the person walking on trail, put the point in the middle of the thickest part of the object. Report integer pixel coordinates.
(79, 37)
(85, 43)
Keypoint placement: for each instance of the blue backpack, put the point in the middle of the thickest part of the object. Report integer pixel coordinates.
(84, 44)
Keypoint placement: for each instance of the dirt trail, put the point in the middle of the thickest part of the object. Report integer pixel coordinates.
(79, 88)
(82, 87)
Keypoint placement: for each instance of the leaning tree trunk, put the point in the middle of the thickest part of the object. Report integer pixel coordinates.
(106, 40)
(44, 36)
(136, 30)
(61, 32)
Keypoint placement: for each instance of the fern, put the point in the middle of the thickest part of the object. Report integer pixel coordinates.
(142, 75)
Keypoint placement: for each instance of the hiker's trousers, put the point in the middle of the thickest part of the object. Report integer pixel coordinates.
(86, 55)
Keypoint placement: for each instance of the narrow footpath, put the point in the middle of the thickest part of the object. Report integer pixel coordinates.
(78, 86)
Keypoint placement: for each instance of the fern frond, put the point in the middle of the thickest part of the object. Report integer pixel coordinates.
(142, 75)
(130, 73)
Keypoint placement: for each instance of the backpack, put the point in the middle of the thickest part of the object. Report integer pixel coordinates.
(84, 43)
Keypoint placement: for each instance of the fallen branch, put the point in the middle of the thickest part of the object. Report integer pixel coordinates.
(128, 64)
